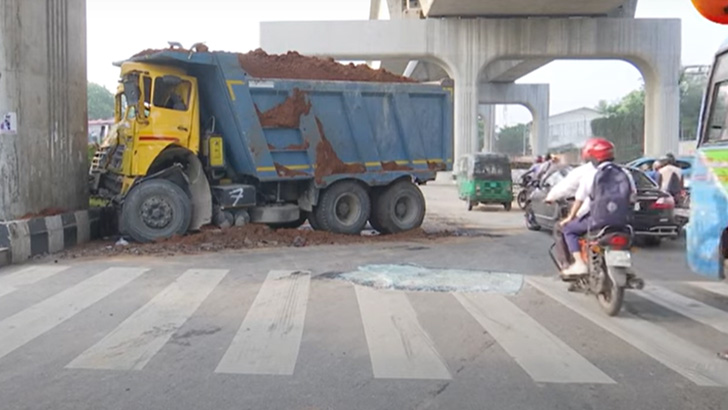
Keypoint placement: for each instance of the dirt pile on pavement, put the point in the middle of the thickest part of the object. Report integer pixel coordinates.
(292, 65)
(245, 237)
(287, 114)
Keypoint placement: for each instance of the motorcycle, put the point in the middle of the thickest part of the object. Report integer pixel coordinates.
(527, 184)
(608, 257)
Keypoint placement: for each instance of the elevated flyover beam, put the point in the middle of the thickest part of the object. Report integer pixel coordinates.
(466, 46)
(472, 8)
(508, 71)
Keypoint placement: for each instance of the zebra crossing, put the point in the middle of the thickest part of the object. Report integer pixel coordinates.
(270, 332)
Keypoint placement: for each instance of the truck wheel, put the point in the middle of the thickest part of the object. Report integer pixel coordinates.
(401, 207)
(312, 220)
(374, 217)
(156, 209)
(343, 208)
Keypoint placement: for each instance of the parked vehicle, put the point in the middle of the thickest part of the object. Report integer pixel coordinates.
(609, 259)
(653, 218)
(485, 178)
(197, 139)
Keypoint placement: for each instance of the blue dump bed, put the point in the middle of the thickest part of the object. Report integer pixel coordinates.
(282, 129)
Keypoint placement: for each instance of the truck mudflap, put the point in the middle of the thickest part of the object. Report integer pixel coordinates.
(708, 221)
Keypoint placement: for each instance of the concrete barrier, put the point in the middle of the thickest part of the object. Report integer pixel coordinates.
(20, 240)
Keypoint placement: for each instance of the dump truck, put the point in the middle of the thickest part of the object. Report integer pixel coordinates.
(205, 137)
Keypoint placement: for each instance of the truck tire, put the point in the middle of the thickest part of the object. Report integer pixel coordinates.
(312, 220)
(374, 218)
(156, 209)
(400, 208)
(343, 208)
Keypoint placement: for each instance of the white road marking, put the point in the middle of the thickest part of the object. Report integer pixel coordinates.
(542, 355)
(34, 321)
(399, 348)
(28, 276)
(269, 338)
(692, 362)
(138, 338)
(719, 288)
(698, 311)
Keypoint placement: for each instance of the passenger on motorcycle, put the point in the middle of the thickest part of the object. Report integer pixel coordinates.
(619, 196)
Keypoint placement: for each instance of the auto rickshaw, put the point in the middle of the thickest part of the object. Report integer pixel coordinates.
(485, 178)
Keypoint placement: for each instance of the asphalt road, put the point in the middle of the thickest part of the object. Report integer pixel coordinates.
(275, 329)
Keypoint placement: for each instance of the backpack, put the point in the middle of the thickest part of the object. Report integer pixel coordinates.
(610, 198)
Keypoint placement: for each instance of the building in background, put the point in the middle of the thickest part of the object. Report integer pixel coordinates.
(569, 130)
(97, 130)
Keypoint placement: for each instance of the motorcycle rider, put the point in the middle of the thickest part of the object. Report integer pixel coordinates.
(600, 153)
(564, 189)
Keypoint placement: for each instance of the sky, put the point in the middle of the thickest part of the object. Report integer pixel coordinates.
(114, 33)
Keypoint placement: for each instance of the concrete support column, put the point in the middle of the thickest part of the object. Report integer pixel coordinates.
(43, 160)
(466, 113)
(535, 97)
(662, 113)
(487, 115)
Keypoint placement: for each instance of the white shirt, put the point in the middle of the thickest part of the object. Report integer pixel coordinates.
(567, 187)
(586, 184)
(666, 173)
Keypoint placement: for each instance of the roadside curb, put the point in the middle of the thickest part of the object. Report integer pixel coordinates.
(23, 239)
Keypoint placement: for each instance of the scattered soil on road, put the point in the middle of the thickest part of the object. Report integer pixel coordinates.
(246, 237)
(292, 65)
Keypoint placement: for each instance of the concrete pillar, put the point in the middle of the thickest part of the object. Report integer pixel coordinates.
(662, 111)
(43, 160)
(487, 115)
(535, 97)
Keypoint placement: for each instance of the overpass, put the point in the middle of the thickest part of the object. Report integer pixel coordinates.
(489, 41)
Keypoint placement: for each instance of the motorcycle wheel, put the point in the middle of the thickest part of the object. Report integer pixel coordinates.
(611, 299)
(531, 224)
(521, 198)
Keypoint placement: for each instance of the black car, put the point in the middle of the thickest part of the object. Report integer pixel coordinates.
(652, 221)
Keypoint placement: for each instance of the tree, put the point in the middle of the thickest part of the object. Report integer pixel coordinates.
(100, 102)
(623, 122)
(510, 140)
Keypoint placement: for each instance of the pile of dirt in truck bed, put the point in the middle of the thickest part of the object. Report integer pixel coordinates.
(251, 236)
(292, 65)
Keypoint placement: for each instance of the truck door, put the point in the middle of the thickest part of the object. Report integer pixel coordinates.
(169, 111)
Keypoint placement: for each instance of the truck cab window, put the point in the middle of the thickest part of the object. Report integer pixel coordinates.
(172, 96)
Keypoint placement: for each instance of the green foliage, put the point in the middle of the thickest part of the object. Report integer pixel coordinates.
(100, 102)
(510, 140)
(624, 121)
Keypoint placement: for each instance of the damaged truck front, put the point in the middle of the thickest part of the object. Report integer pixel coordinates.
(198, 139)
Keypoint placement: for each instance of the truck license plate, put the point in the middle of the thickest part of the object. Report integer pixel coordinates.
(618, 258)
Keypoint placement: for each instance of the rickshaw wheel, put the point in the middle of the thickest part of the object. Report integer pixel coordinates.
(470, 205)
(508, 206)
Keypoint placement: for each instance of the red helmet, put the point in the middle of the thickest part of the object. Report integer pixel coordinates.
(598, 149)
(539, 159)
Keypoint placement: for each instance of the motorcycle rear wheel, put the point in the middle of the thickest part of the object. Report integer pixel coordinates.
(521, 199)
(611, 299)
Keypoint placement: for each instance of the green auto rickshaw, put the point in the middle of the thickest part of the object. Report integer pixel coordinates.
(485, 178)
